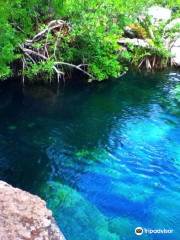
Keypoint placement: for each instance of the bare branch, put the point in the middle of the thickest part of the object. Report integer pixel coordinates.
(51, 26)
(23, 66)
(76, 67)
(27, 54)
(59, 73)
(34, 54)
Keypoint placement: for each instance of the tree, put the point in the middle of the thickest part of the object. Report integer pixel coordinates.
(89, 44)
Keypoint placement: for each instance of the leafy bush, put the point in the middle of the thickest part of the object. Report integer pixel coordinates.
(96, 26)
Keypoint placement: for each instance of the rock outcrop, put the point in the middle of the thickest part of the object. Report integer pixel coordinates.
(134, 42)
(159, 14)
(175, 51)
(154, 17)
(172, 24)
(24, 216)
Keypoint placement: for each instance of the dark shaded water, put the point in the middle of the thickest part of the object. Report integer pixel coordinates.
(105, 157)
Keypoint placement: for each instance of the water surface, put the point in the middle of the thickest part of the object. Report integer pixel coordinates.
(106, 157)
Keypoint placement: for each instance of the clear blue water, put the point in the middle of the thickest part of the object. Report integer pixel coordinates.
(106, 157)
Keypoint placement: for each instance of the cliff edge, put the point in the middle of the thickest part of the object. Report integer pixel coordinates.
(24, 216)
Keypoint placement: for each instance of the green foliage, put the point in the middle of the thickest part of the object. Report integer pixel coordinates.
(154, 35)
(96, 39)
(96, 26)
(7, 42)
(44, 68)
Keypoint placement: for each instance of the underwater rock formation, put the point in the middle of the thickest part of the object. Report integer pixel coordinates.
(25, 216)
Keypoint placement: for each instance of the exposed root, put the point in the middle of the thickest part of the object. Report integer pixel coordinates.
(23, 67)
(148, 64)
(33, 55)
(153, 62)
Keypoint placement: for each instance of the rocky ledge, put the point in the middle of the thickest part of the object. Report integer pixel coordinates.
(24, 216)
(154, 20)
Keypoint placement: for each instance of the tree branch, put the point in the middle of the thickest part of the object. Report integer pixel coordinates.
(76, 67)
(35, 54)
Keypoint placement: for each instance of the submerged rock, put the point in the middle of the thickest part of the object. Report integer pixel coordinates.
(78, 209)
(25, 216)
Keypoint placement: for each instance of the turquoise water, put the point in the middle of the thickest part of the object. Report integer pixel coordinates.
(106, 157)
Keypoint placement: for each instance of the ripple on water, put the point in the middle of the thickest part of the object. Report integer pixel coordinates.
(105, 157)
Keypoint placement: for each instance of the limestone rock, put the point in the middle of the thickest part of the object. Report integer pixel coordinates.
(25, 217)
(172, 24)
(175, 52)
(159, 14)
(135, 42)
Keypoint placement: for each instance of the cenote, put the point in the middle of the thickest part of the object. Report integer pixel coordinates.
(105, 157)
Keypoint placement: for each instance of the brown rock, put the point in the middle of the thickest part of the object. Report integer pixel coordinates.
(24, 216)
